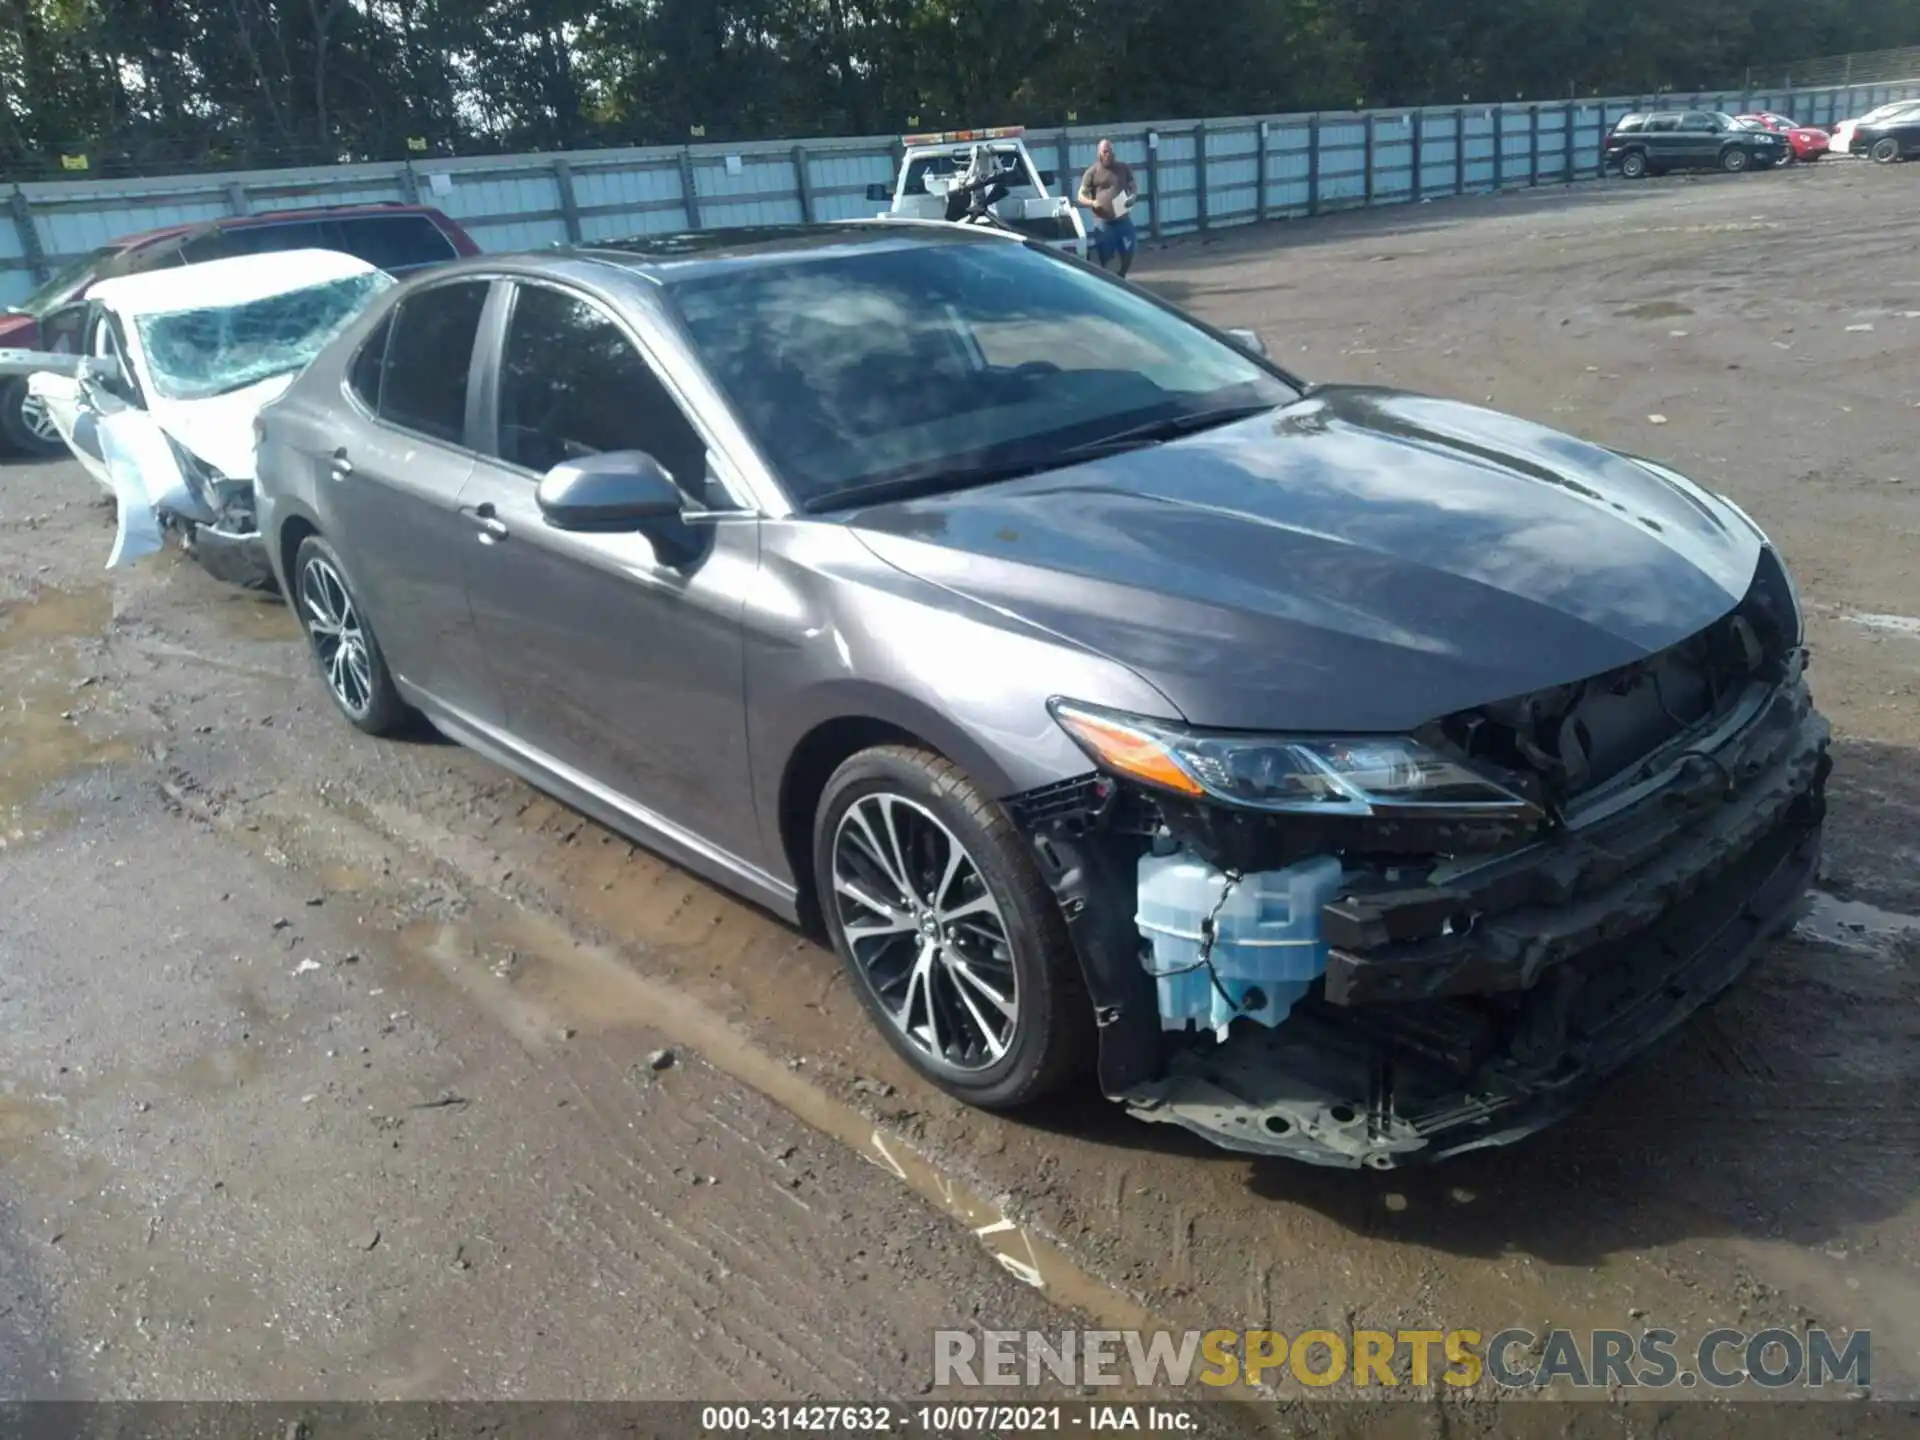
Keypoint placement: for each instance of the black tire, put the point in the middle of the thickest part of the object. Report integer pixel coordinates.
(1051, 1031)
(18, 429)
(1633, 165)
(1885, 150)
(1734, 160)
(364, 692)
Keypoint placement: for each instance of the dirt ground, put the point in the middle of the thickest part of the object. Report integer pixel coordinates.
(325, 1063)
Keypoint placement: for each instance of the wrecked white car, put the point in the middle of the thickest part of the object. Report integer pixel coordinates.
(177, 365)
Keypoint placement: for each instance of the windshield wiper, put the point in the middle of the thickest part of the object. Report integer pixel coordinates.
(1156, 432)
(939, 478)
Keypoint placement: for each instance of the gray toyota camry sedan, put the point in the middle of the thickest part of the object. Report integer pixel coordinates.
(1336, 772)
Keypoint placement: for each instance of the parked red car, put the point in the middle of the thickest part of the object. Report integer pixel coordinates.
(1808, 143)
(396, 237)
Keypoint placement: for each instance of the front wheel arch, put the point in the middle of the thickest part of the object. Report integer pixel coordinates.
(287, 545)
(822, 751)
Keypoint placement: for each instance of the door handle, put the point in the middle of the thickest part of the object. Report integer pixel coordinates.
(342, 466)
(492, 528)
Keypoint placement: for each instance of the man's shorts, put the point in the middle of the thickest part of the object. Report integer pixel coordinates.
(1114, 237)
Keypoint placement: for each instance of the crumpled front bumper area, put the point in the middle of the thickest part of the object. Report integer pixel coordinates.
(1471, 1013)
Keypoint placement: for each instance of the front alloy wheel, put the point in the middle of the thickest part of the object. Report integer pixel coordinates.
(1886, 150)
(926, 932)
(953, 942)
(1733, 160)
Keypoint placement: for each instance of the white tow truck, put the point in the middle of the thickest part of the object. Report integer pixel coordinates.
(933, 165)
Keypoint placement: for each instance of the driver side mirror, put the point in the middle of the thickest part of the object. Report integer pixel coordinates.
(621, 492)
(880, 194)
(617, 492)
(1250, 341)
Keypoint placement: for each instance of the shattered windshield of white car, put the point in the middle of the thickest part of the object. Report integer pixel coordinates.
(215, 349)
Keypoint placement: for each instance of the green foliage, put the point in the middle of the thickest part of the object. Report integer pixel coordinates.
(148, 85)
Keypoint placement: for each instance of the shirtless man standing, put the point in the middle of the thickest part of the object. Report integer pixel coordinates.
(1109, 190)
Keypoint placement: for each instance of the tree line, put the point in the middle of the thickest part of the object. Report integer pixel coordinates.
(141, 86)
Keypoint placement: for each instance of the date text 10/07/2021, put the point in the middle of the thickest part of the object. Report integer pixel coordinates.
(945, 1419)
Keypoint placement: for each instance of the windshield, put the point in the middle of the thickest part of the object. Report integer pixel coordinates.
(66, 283)
(940, 365)
(193, 354)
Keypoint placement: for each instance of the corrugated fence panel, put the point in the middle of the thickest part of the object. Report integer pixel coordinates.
(1478, 125)
(517, 202)
(629, 195)
(746, 190)
(1393, 157)
(1288, 162)
(1439, 153)
(1343, 149)
(840, 181)
(1233, 174)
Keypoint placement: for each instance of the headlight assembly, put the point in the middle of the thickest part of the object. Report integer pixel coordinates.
(1316, 775)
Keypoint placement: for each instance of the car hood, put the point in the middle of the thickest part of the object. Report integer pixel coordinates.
(219, 429)
(1362, 560)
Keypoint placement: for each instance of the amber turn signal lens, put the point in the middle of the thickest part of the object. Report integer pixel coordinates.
(1127, 751)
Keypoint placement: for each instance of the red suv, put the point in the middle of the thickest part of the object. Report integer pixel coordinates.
(397, 238)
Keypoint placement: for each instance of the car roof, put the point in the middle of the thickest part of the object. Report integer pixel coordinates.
(234, 280)
(263, 218)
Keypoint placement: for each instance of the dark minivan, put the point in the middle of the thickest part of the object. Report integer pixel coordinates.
(395, 237)
(1652, 144)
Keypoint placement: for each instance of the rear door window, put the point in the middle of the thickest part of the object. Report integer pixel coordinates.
(392, 242)
(429, 352)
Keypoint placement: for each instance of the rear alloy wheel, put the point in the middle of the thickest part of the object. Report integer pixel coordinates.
(1885, 150)
(1633, 165)
(343, 643)
(1733, 160)
(25, 423)
(952, 940)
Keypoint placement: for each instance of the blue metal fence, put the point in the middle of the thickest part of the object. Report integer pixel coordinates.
(1195, 175)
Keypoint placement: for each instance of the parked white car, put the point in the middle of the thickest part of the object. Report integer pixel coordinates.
(159, 406)
(1841, 141)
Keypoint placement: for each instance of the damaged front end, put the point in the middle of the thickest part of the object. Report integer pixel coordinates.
(160, 487)
(1381, 952)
